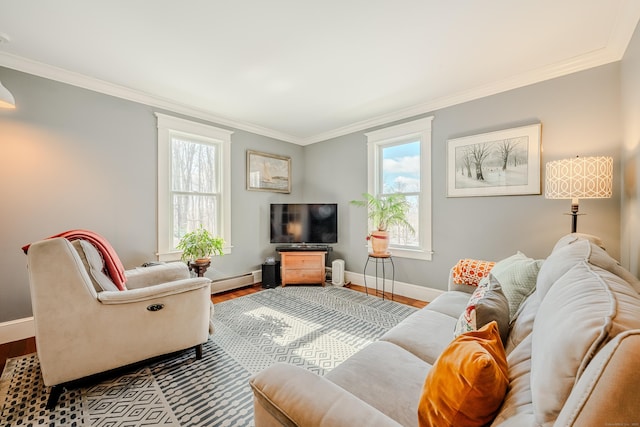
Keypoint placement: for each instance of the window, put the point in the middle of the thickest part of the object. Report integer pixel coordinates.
(193, 182)
(400, 162)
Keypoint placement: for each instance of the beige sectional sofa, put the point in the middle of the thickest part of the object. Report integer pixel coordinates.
(573, 353)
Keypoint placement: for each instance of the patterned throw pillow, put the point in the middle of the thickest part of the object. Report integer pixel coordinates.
(471, 271)
(487, 303)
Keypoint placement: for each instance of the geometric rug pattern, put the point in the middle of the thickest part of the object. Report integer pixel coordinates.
(316, 328)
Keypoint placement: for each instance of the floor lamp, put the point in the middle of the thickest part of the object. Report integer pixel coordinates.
(579, 178)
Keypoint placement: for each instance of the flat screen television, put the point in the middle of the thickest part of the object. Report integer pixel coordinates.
(308, 223)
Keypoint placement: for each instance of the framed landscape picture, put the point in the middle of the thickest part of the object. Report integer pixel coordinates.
(505, 162)
(268, 172)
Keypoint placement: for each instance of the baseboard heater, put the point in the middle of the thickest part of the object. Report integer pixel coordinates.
(228, 283)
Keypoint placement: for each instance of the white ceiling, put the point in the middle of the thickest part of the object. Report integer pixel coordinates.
(306, 71)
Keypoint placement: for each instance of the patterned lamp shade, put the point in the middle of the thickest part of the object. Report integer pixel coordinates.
(579, 178)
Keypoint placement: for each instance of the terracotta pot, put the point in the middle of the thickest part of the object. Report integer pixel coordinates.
(201, 261)
(380, 242)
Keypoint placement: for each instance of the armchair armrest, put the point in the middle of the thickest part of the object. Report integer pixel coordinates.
(141, 277)
(292, 396)
(152, 292)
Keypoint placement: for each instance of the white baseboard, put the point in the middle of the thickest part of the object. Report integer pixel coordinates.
(16, 330)
(409, 290)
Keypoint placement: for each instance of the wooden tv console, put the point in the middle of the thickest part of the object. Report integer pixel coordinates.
(302, 267)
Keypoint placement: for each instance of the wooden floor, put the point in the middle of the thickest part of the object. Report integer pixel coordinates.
(26, 346)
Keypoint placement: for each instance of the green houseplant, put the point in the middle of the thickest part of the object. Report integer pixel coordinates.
(384, 212)
(198, 245)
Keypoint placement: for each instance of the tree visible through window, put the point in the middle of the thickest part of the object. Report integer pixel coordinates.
(194, 182)
(195, 187)
(400, 163)
(401, 175)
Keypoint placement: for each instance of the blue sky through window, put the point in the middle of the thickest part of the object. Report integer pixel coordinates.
(401, 168)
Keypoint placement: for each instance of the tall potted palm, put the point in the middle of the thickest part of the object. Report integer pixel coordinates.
(384, 212)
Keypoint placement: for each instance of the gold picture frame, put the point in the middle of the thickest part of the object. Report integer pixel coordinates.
(268, 172)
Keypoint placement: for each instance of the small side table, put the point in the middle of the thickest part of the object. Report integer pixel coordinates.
(381, 259)
(199, 267)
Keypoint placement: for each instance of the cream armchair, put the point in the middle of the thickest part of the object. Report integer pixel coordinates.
(83, 330)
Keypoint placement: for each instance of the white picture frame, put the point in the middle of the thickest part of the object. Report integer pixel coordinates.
(500, 163)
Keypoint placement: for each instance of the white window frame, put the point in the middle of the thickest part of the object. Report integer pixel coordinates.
(419, 130)
(169, 126)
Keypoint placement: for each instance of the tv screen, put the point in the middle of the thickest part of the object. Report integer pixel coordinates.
(304, 223)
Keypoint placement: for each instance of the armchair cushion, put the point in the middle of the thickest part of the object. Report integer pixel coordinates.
(96, 266)
(113, 264)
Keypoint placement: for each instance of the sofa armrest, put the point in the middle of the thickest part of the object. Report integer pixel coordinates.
(152, 292)
(292, 396)
(141, 277)
(459, 286)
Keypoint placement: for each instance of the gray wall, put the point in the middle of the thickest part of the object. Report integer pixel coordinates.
(630, 66)
(580, 116)
(73, 158)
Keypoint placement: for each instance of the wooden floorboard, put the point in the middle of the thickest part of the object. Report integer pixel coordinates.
(27, 346)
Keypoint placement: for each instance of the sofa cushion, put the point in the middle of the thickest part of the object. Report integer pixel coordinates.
(583, 309)
(428, 331)
(386, 377)
(575, 249)
(468, 382)
(487, 304)
(471, 271)
(517, 275)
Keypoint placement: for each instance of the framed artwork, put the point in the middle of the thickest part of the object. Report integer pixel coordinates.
(501, 163)
(268, 172)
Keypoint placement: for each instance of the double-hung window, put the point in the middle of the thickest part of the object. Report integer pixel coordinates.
(193, 182)
(400, 163)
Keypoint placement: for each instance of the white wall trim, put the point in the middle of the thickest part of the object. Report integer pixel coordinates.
(18, 329)
(79, 80)
(613, 51)
(409, 290)
(580, 63)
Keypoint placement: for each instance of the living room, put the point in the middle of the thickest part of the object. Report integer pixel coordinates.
(91, 163)
(81, 155)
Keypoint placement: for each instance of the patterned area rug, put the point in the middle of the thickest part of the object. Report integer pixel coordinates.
(313, 327)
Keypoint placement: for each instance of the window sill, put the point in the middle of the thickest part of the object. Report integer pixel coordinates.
(177, 255)
(411, 254)
(408, 253)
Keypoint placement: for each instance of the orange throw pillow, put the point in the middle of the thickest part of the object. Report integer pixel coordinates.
(468, 382)
(471, 271)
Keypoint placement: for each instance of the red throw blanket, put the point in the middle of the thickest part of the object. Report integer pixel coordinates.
(112, 262)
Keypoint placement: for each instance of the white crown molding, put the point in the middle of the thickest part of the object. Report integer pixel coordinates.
(579, 63)
(614, 50)
(75, 79)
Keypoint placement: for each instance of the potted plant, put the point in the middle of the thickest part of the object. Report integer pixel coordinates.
(384, 212)
(198, 245)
